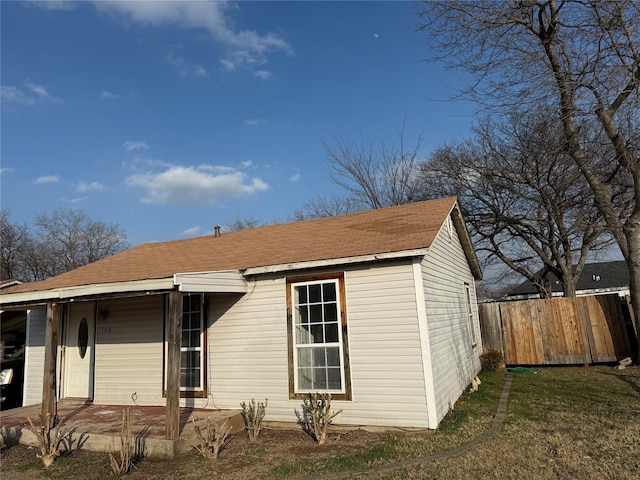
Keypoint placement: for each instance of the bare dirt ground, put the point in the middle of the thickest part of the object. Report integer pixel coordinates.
(240, 460)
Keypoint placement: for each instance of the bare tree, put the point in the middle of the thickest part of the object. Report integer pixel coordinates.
(241, 223)
(322, 206)
(58, 242)
(524, 199)
(69, 239)
(374, 177)
(13, 239)
(582, 57)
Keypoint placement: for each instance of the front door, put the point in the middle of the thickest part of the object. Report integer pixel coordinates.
(80, 350)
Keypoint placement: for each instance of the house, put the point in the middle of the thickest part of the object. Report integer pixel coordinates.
(378, 308)
(597, 278)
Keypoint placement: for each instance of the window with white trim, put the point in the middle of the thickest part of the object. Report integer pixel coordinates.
(318, 353)
(191, 346)
(467, 290)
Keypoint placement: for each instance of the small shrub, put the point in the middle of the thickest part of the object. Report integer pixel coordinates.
(253, 414)
(491, 360)
(126, 461)
(49, 437)
(318, 409)
(213, 439)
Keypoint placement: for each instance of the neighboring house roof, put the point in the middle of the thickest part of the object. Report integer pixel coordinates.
(9, 283)
(374, 232)
(601, 276)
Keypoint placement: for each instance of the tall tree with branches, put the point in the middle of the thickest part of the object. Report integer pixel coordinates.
(582, 58)
(524, 199)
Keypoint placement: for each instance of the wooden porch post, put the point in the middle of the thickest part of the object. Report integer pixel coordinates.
(51, 333)
(174, 338)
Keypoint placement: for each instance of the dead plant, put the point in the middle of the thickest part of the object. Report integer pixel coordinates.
(49, 437)
(253, 414)
(125, 461)
(213, 439)
(318, 408)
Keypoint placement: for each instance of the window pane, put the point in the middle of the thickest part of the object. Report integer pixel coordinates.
(195, 338)
(195, 303)
(315, 313)
(333, 357)
(330, 312)
(185, 339)
(333, 379)
(331, 333)
(320, 378)
(319, 357)
(315, 293)
(186, 321)
(317, 332)
(303, 335)
(304, 378)
(302, 315)
(301, 294)
(329, 290)
(304, 357)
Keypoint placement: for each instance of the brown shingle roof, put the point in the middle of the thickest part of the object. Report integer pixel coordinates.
(386, 230)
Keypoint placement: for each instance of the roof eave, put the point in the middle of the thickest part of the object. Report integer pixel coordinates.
(419, 252)
(42, 297)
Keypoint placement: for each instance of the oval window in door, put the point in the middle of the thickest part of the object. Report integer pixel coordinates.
(83, 337)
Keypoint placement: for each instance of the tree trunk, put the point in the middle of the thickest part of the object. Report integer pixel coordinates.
(633, 264)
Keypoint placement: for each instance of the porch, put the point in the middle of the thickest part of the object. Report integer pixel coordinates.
(98, 427)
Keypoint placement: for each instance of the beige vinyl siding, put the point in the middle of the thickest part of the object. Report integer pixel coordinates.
(386, 358)
(454, 361)
(248, 349)
(128, 352)
(34, 356)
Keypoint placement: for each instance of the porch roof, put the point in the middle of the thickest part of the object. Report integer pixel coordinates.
(153, 266)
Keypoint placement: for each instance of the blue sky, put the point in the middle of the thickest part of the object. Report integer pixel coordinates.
(170, 118)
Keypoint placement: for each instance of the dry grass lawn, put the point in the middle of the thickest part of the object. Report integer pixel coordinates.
(562, 423)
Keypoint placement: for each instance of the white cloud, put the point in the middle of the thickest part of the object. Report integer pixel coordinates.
(15, 95)
(254, 122)
(294, 178)
(183, 67)
(247, 164)
(107, 95)
(130, 146)
(77, 199)
(84, 187)
(4, 170)
(243, 48)
(55, 5)
(30, 95)
(263, 74)
(46, 179)
(191, 232)
(194, 186)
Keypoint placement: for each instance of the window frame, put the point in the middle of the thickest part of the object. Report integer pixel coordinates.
(470, 317)
(190, 392)
(343, 339)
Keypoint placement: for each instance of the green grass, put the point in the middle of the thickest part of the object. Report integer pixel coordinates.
(471, 416)
(561, 423)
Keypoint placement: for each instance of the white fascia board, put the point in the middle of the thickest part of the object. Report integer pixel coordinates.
(85, 290)
(420, 252)
(222, 281)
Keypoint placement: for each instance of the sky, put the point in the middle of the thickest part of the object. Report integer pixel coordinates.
(168, 118)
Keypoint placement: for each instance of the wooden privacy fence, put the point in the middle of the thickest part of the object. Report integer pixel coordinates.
(557, 331)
